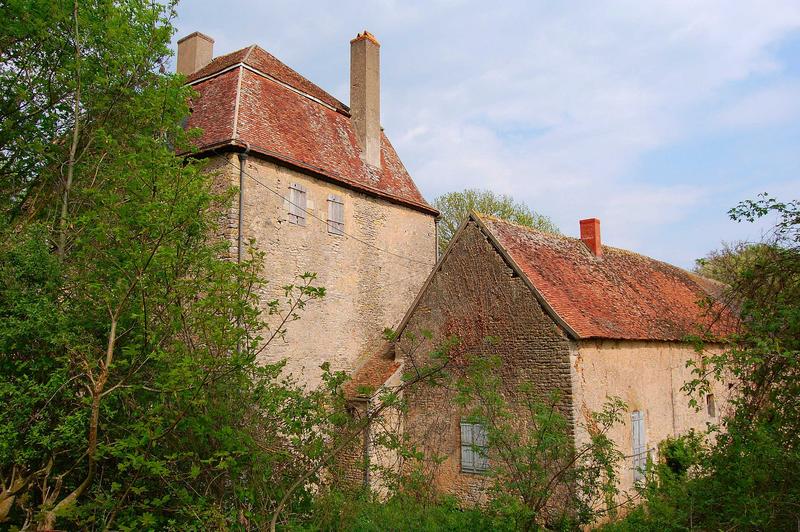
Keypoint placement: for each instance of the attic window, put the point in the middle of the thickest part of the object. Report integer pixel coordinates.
(297, 204)
(335, 215)
(711, 405)
(474, 448)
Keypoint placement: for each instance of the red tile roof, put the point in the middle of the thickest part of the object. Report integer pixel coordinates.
(372, 374)
(620, 295)
(282, 115)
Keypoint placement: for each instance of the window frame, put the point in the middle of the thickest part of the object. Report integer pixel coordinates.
(474, 455)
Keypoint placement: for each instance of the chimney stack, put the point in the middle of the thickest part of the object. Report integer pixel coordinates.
(590, 235)
(194, 52)
(365, 95)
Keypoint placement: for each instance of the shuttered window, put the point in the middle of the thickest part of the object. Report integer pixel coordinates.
(474, 448)
(335, 214)
(297, 204)
(639, 446)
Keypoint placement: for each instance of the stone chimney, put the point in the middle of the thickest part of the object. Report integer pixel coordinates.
(194, 52)
(590, 235)
(365, 95)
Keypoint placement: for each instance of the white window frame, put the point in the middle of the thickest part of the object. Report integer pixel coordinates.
(335, 214)
(298, 200)
(639, 445)
(474, 448)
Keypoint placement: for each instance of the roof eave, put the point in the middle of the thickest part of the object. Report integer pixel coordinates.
(236, 145)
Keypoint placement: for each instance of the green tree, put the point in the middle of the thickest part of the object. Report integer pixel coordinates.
(729, 263)
(128, 377)
(455, 206)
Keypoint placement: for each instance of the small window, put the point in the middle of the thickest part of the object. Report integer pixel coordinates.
(297, 204)
(711, 405)
(474, 448)
(639, 440)
(335, 215)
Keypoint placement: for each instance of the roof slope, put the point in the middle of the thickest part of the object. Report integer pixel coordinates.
(248, 97)
(621, 295)
(372, 374)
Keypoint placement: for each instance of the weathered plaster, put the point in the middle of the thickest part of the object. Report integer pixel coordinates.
(367, 289)
(648, 376)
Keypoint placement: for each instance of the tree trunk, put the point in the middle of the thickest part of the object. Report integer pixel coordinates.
(73, 149)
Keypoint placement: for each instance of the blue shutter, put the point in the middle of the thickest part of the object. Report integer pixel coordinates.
(639, 441)
(474, 448)
(297, 204)
(335, 214)
(467, 454)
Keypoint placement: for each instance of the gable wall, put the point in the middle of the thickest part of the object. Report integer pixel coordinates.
(648, 376)
(367, 289)
(475, 294)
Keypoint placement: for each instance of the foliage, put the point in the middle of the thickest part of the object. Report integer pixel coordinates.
(366, 513)
(727, 264)
(745, 476)
(128, 343)
(455, 206)
(538, 474)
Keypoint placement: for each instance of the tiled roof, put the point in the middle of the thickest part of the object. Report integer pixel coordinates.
(250, 98)
(372, 374)
(620, 295)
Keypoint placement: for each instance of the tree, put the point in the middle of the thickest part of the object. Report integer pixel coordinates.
(729, 263)
(131, 393)
(455, 206)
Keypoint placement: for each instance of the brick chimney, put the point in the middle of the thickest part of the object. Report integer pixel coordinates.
(590, 235)
(194, 52)
(365, 95)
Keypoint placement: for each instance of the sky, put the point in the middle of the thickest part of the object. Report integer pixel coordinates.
(656, 117)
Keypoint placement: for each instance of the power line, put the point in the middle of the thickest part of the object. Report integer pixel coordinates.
(344, 233)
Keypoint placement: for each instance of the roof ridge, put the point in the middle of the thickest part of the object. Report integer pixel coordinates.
(334, 102)
(606, 247)
(249, 51)
(492, 217)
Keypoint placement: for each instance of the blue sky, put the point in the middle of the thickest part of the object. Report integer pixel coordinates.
(655, 117)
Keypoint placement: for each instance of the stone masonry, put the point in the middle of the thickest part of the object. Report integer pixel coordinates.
(475, 295)
(367, 287)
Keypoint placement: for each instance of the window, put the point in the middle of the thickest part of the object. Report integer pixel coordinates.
(297, 204)
(639, 445)
(474, 448)
(711, 405)
(335, 214)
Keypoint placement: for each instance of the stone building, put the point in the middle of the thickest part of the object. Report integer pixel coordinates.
(566, 314)
(321, 190)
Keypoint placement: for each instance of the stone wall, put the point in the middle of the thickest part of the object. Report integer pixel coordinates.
(648, 376)
(475, 295)
(367, 289)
